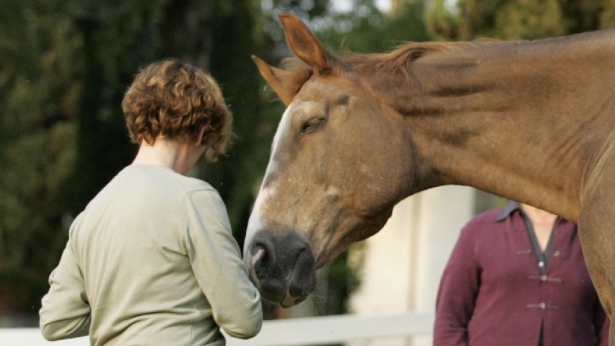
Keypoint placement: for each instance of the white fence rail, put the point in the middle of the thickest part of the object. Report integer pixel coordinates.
(289, 332)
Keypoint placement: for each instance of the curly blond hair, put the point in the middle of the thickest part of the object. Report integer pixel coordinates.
(176, 101)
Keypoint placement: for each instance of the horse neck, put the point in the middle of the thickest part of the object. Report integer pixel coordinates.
(520, 120)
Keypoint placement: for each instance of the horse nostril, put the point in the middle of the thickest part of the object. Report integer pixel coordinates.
(257, 252)
(260, 259)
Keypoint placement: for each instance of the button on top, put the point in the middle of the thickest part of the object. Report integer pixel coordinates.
(541, 264)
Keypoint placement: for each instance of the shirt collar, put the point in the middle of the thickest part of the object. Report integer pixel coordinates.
(509, 208)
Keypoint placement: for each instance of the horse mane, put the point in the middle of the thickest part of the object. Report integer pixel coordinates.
(396, 60)
(401, 58)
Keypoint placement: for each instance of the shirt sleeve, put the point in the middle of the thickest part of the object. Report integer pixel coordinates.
(457, 294)
(219, 268)
(65, 311)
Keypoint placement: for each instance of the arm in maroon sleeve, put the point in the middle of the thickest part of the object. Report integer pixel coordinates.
(457, 293)
(601, 324)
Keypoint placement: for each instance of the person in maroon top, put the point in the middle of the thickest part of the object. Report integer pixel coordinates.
(517, 277)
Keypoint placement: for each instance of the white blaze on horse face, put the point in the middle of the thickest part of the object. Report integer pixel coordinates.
(282, 126)
(256, 218)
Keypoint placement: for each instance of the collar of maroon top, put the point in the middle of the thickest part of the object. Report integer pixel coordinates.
(509, 208)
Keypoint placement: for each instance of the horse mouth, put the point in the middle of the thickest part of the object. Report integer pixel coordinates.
(284, 299)
(289, 300)
(298, 288)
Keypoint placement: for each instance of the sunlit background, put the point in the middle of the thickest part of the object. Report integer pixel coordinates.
(347, 5)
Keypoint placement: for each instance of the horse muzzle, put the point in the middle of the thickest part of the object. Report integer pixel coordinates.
(281, 267)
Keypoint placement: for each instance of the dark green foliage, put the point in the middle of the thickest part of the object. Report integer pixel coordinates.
(237, 175)
(514, 20)
(39, 92)
(342, 281)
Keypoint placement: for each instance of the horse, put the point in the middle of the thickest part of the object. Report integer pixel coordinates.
(532, 121)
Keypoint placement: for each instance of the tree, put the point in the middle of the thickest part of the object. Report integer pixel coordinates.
(39, 93)
(515, 20)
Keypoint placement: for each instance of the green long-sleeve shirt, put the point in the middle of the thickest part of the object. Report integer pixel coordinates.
(151, 261)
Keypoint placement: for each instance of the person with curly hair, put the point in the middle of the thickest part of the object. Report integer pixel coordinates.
(152, 260)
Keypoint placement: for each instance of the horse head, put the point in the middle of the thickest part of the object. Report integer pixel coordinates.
(340, 161)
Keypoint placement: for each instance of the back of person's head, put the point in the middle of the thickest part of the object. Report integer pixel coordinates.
(175, 101)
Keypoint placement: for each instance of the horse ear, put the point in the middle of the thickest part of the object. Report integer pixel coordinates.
(304, 44)
(277, 79)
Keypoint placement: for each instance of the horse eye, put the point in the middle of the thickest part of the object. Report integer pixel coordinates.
(311, 125)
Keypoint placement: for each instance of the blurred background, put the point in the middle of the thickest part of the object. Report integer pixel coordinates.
(65, 64)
